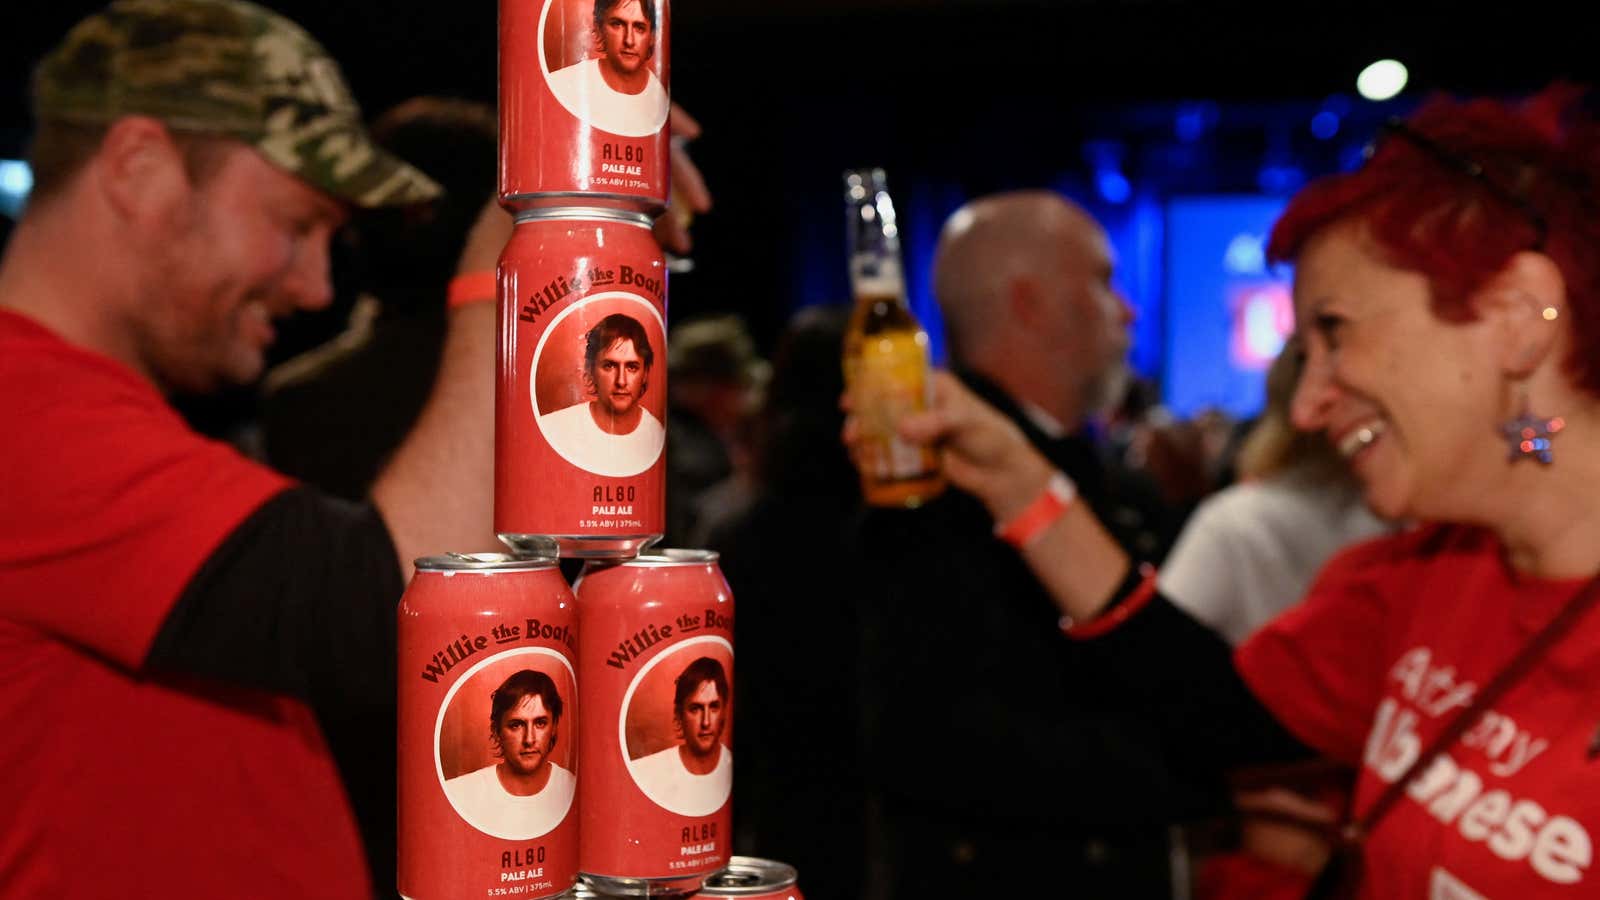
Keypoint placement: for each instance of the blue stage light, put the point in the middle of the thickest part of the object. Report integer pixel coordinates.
(16, 180)
(1113, 186)
(1325, 124)
(1193, 120)
(1105, 161)
(1280, 178)
(1352, 155)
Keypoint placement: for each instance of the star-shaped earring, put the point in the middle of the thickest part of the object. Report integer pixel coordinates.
(1529, 435)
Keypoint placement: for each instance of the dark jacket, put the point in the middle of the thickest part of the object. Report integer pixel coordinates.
(987, 737)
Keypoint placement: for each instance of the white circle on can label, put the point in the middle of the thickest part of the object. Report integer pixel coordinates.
(479, 796)
(663, 775)
(617, 54)
(572, 431)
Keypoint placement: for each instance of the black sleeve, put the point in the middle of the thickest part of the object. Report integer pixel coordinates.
(299, 599)
(1181, 673)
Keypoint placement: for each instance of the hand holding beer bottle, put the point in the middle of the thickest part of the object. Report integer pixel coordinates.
(886, 367)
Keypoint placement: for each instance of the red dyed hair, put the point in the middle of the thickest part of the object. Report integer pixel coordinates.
(1433, 218)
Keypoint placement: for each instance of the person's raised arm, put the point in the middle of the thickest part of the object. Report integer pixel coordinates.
(986, 455)
(437, 492)
(1171, 667)
(690, 196)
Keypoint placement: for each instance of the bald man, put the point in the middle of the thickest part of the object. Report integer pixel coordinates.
(1024, 283)
(988, 777)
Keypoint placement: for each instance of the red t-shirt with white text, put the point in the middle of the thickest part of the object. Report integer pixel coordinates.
(1392, 641)
(120, 782)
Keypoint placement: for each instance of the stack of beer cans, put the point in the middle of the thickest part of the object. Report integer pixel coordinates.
(549, 733)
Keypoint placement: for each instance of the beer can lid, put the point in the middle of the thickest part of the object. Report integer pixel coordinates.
(748, 875)
(583, 214)
(673, 558)
(483, 562)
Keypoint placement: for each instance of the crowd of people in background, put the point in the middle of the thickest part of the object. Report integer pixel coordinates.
(757, 472)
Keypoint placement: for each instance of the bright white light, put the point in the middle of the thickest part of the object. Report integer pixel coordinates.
(16, 178)
(1382, 80)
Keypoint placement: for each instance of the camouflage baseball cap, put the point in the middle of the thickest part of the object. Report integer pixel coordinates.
(229, 68)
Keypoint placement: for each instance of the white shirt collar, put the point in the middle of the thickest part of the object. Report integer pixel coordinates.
(1050, 425)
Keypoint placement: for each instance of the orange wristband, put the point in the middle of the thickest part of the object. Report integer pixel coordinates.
(470, 287)
(1052, 502)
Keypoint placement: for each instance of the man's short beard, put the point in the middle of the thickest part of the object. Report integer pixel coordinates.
(1105, 390)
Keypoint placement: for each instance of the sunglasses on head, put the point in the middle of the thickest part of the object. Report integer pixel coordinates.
(1465, 165)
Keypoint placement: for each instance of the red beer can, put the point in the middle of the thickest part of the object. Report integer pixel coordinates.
(751, 878)
(584, 103)
(488, 729)
(582, 391)
(655, 657)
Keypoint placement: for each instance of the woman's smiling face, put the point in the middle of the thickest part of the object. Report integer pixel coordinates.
(1410, 400)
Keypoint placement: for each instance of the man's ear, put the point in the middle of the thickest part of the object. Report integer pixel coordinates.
(1025, 300)
(140, 172)
(1525, 302)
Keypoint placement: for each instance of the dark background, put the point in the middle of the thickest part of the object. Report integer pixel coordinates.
(953, 97)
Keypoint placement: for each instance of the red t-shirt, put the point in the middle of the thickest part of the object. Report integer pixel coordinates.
(120, 782)
(1393, 639)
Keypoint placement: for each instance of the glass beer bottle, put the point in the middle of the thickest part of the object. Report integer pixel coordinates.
(885, 353)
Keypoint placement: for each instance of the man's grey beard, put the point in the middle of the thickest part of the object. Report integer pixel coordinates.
(1103, 392)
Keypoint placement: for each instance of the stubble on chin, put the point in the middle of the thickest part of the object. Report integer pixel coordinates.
(1103, 392)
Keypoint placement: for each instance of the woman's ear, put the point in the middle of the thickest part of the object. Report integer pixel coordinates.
(1525, 303)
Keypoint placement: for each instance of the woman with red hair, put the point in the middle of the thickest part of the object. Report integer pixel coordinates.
(1448, 297)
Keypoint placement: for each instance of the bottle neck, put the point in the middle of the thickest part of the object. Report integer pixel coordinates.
(875, 278)
(871, 298)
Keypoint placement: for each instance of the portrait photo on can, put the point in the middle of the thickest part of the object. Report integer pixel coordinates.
(599, 378)
(606, 62)
(677, 728)
(506, 748)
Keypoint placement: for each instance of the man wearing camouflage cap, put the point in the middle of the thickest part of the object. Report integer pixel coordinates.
(171, 613)
(225, 69)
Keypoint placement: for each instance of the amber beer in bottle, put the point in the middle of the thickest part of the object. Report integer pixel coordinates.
(885, 352)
